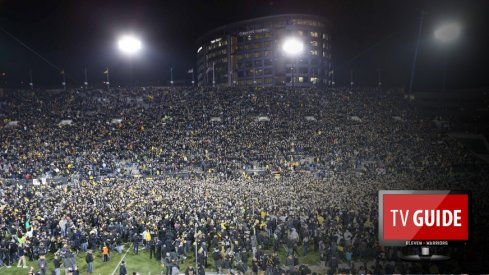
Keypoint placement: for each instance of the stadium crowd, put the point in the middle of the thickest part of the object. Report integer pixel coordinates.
(238, 172)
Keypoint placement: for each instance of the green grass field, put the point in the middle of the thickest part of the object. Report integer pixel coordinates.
(140, 263)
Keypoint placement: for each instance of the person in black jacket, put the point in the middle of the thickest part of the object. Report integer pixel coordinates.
(152, 248)
(135, 243)
(122, 269)
(57, 265)
(22, 252)
(201, 270)
(158, 245)
(168, 264)
(217, 259)
(226, 264)
(89, 260)
(255, 267)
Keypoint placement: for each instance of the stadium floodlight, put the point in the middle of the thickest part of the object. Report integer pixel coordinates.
(448, 32)
(129, 44)
(293, 46)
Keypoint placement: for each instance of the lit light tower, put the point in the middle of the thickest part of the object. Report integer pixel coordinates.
(293, 47)
(447, 34)
(129, 46)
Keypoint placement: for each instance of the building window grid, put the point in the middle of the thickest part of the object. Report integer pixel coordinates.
(307, 22)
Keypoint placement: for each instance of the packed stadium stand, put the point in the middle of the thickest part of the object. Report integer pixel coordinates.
(239, 170)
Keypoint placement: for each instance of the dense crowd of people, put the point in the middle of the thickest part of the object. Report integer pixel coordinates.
(235, 171)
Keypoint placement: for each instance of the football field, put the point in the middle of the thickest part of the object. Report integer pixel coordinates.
(142, 264)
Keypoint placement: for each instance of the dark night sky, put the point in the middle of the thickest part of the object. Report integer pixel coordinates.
(367, 35)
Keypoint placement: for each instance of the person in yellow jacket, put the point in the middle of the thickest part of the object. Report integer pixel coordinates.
(320, 220)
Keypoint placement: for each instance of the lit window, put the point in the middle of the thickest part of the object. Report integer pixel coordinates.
(301, 79)
(314, 34)
(215, 40)
(314, 52)
(314, 80)
(314, 43)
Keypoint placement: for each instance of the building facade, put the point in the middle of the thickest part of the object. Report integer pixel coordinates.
(249, 53)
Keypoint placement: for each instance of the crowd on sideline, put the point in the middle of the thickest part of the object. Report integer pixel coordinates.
(238, 172)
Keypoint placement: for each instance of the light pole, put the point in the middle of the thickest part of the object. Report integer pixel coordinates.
(195, 240)
(130, 46)
(379, 78)
(86, 79)
(351, 78)
(4, 75)
(293, 47)
(31, 83)
(332, 79)
(447, 34)
(413, 67)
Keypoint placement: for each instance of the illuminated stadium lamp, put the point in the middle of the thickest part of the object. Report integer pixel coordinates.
(293, 46)
(129, 45)
(448, 33)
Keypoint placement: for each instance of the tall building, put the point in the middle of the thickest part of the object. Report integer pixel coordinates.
(250, 52)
